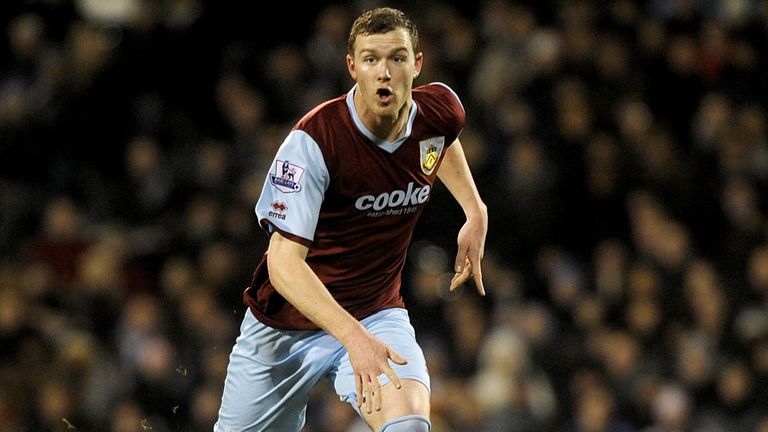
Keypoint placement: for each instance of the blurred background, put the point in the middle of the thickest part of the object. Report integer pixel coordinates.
(621, 147)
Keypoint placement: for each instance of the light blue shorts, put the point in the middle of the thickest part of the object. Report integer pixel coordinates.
(272, 372)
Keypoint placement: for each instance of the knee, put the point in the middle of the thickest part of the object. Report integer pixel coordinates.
(411, 423)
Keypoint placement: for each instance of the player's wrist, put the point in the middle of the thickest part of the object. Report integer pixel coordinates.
(478, 213)
(351, 332)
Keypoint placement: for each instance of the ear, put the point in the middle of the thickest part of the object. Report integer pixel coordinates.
(351, 67)
(418, 63)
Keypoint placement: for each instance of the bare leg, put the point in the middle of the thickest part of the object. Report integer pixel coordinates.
(411, 399)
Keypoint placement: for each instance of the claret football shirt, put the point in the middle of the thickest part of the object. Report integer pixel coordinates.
(353, 199)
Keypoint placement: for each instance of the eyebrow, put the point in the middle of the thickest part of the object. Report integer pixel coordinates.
(375, 51)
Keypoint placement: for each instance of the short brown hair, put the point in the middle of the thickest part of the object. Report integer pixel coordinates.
(382, 20)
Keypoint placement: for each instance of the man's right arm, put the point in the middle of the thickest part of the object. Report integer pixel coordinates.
(294, 280)
(299, 285)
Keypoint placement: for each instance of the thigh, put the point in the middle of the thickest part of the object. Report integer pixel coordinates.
(410, 399)
(270, 376)
(392, 326)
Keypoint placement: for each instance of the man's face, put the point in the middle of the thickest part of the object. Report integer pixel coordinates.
(384, 66)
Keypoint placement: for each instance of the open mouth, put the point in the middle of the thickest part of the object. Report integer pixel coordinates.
(384, 94)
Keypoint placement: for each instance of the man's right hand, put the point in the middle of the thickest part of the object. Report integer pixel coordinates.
(369, 357)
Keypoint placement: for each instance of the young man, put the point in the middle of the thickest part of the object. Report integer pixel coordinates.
(340, 203)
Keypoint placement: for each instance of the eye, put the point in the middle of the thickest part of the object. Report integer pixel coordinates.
(401, 57)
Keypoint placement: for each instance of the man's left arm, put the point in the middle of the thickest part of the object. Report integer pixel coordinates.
(454, 172)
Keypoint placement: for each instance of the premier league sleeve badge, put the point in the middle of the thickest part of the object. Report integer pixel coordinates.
(286, 176)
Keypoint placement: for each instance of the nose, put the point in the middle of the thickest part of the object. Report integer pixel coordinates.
(384, 74)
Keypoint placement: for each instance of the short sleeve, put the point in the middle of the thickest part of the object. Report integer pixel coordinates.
(294, 188)
(452, 103)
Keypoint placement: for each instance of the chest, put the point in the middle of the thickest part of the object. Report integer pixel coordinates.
(363, 169)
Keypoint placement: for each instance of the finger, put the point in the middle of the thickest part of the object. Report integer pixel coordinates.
(479, 281)
(459, 278)
(369, 397)
(460, 262)
(393, 377)
(477, 270)
(359, 389)
(376, 392)
(397, 358)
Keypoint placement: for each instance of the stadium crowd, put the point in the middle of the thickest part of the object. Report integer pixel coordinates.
(621, 147)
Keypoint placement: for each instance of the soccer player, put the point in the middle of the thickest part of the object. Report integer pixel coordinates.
(340, 204)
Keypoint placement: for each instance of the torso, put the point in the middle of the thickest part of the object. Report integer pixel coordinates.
(376, 191)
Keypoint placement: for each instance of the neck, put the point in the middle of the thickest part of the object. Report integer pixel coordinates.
(398, 126)
(387, 128)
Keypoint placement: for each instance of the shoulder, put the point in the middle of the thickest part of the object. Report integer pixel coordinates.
(317, 121)
(441, 106)
(325, 128)
(437, 92)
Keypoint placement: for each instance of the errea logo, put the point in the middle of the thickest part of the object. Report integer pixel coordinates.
(278, 210)
(412, 196)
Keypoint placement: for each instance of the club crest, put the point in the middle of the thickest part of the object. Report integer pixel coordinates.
(430, 151)
(286, 177)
